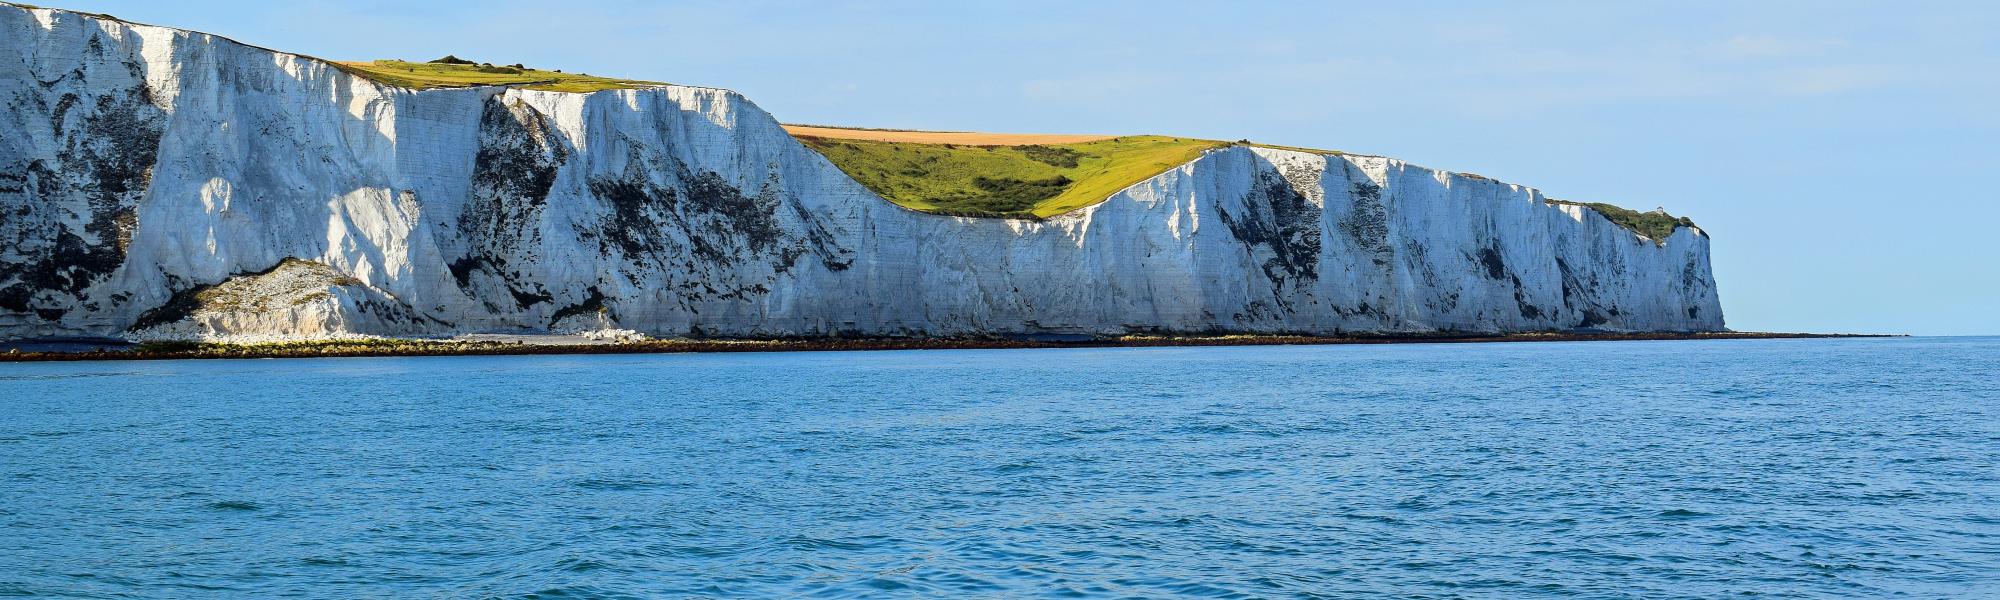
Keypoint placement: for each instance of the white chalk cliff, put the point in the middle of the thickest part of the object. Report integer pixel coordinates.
(166, 183)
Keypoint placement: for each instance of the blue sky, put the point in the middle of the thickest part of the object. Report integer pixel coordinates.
(1841, 154)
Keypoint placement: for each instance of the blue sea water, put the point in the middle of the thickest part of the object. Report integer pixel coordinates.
(1779, 468)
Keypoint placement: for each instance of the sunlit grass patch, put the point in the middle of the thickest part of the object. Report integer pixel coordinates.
(1024, 181)
(431, 75)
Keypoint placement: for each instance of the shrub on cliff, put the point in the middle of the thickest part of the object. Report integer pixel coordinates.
(1656, 224)
(1051, 155)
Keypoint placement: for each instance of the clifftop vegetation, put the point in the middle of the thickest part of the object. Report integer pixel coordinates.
(454, 72)
(1656, 224)
(1015, 181)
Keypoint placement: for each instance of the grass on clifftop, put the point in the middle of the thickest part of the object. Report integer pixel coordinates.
(1652, 224)
(1028, 181)
(431, 75)
(1306, 150)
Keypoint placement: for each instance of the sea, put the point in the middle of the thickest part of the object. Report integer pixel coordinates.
(1786, 468)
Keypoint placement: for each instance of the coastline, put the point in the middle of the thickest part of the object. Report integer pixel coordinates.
(388, 347)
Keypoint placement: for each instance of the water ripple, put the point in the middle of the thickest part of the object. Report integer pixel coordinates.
(1785, 468)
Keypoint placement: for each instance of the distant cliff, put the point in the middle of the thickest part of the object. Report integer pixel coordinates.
(164, 183)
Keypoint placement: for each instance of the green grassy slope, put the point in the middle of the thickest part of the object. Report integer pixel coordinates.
(1653, 224)
(423, 76)
(1033, 181)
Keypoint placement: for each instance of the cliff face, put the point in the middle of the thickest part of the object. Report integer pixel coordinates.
(158, 182)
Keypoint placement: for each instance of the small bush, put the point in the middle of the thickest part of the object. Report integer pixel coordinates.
(451, 60)
(1064, 158)
(1657, 224)
(1008, 196)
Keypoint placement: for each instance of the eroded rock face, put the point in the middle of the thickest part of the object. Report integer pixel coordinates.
(79, 154)
(293, 299)
(144, 166)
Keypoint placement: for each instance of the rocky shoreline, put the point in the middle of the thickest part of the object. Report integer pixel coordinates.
(490, 347)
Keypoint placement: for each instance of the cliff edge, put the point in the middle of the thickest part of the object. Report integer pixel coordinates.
(157, 182)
